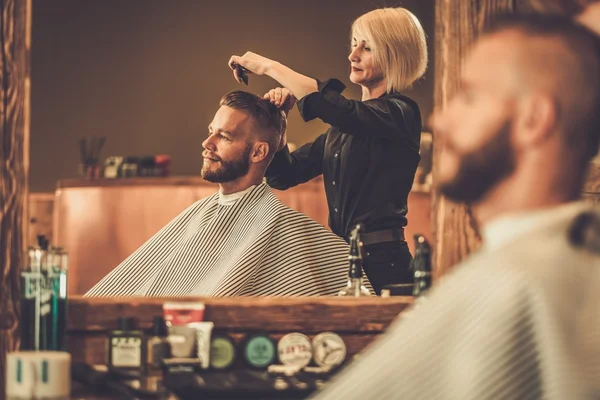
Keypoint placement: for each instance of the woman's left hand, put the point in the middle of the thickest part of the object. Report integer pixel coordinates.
(254, 63)
(282, 98)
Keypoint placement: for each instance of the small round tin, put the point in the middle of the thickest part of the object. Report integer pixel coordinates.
(222, 352)
(295, 349)
(259, 351)
(329, 349)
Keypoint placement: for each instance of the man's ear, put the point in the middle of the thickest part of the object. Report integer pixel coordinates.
(537, 116)
(260, 151)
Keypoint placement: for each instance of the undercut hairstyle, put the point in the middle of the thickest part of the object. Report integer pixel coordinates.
(564, 56)
(269, 121)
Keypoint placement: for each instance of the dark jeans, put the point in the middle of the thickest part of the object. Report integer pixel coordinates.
(387, 263)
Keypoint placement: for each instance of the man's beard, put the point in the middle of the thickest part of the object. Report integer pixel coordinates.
(480, 170)
(229, 170)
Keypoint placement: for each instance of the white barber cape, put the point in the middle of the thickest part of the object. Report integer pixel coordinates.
(518, 320)
(245, 244)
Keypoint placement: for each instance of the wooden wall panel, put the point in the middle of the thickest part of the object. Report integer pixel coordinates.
(458, 23)
(15, 40)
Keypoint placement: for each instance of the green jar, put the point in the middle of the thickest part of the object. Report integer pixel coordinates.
(259, 351)
(222, 352)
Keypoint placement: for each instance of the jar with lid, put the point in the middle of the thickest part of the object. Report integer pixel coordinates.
(129, 168)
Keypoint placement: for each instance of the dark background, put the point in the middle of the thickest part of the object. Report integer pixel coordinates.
(148, 74)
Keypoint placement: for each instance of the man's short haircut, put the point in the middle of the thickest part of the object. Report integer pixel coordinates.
(269, 121)
(571, 62)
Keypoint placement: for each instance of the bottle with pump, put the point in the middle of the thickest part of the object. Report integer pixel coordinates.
(421, 266)
(44, 297)
(158, 345)
(355, 287)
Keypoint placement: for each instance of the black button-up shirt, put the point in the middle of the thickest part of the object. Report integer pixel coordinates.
(368, 157)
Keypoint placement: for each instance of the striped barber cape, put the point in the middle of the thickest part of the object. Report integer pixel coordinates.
(256, 246)
(517, 321)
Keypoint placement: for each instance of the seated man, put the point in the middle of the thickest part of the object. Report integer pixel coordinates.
(521, 318)
(241, 240)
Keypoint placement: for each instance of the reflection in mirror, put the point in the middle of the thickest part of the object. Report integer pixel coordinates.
(141, 94)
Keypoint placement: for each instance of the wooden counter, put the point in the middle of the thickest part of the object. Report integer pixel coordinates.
(357, 321)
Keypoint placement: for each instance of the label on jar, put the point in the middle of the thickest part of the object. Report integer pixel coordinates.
(222, 352)
(126, 351)
(295, 349)
(259, 351)
(329, 349)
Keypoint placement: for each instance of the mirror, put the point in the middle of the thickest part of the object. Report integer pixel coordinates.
(148, 77)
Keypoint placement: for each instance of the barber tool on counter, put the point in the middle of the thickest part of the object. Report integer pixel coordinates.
(41, 369)
(134, 166)
(38, 375)
(129, 167)
(260, 351)
(223, 353)
(112, 167)
(295, 349)
(162, 163)
(329, 350)
(421, 266)
(158, 346)
(126, 351)
(44, 297)
(304, 367)
(196, 362)
(355, 287)
(90, 167)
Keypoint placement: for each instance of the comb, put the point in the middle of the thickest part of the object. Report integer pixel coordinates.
(242, 72)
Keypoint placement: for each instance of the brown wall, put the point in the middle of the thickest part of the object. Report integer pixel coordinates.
(147, 74)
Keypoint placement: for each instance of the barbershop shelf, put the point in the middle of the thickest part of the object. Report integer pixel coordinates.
(168, 181)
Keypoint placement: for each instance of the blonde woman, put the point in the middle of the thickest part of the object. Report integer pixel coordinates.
(369, 155)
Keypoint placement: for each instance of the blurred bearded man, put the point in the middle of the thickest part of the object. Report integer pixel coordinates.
(520, 319)
(241, 241)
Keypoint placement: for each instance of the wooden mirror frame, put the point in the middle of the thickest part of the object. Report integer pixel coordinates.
(457, 25)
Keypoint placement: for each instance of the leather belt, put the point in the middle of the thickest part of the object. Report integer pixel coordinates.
(390, 235)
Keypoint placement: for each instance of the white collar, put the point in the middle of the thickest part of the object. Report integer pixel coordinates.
(509, 227)
(230, 199)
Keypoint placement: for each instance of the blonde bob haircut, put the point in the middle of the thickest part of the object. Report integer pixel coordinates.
(398, 42)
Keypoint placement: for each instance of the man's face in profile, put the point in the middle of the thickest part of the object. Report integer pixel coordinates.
(227, 149)
(475, 127)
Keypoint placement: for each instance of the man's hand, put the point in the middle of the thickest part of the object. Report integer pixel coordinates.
(282, 98)
(254, 63)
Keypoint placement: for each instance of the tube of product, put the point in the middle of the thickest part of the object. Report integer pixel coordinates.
(182, 336)
(203, 332)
